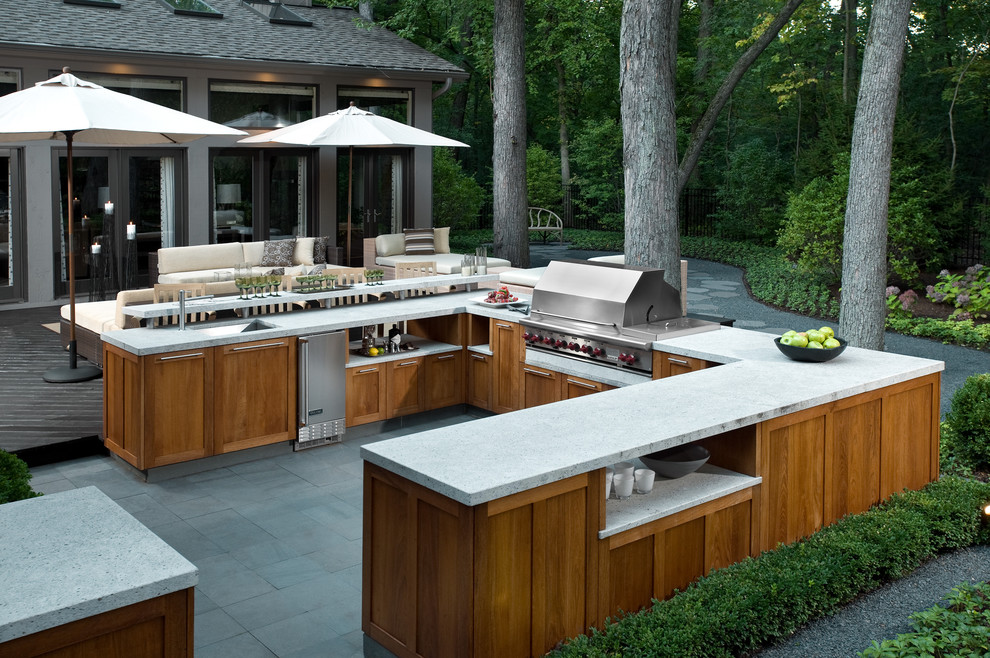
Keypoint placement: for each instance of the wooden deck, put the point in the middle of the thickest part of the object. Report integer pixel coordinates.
(33, 412)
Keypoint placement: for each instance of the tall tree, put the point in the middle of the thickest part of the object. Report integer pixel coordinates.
(849, 50)
(648, 56)
(862, 308)
(511, 225)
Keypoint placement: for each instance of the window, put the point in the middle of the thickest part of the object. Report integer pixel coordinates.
(261, 105)
(395, 104)
(167, 92)
(276, 12)
(191, 8)
(10, 81)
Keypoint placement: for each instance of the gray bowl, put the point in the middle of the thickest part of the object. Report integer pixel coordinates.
(677, 462)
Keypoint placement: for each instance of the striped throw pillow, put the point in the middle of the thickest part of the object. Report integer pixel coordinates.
(419, 241)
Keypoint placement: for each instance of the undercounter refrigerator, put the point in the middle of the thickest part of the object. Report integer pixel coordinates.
(321, 389)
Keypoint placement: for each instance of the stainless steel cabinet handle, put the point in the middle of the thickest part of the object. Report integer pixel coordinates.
(537, 372)
(181, 356)
(577, 383)
(303, 376)
(367, 370)
(406, 363)
(504, 326)
(479, 357)
(444, 357)
(256, 347)
(680, 361)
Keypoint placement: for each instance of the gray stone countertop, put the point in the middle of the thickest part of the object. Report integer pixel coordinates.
(493, 457)
(145, 341)
(74, 554)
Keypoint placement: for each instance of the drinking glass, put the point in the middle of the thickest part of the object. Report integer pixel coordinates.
(241, 287)
(257, 282)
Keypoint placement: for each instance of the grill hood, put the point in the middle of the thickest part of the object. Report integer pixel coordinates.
(603, 294)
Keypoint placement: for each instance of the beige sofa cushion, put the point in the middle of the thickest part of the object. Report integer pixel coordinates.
(390, 244)
(303, 254)
(441, 240)
(200, 276)
(199, 257)
(446, 263)
(253, 251)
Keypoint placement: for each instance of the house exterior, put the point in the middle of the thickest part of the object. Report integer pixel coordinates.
(245, 63)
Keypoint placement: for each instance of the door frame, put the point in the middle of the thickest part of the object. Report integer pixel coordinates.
(17, 248)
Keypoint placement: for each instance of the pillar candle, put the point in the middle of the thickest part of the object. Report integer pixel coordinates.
(131, 231)
(108, 207)
(95, 248)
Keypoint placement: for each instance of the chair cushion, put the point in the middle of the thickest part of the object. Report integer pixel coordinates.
(390, 244)
(278, 253)
(419, 242)
(199, 257)
(94, 316)
(303, 252)
(441, 240)
(522, 277)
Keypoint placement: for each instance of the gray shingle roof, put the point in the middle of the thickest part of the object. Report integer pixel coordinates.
(146, 27)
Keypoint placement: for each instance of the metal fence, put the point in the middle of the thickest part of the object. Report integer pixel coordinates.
(696, 211)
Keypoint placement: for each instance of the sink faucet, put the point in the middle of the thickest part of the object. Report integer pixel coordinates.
(182, 307)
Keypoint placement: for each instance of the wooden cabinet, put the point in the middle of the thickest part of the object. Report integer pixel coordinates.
(444, 380)
(406, 387)
(668, 365)
(254, 394)
(177, 405)
(572, 386)
(507, 352)
(365, 394)
(539, 386)
(479, 380)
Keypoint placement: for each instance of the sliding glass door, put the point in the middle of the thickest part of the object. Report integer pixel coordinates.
(11, 228)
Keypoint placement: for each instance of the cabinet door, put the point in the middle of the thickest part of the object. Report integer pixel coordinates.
(479, 374)
(507, 352)
(406, 389)
(668, 365)
(178, 409)
(444, 380)
(540, 386)
(572, 386)
(254, 394)
(365, 394)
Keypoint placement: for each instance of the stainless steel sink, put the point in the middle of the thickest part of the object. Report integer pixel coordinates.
(233, 328)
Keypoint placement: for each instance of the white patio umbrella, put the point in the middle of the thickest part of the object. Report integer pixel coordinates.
(70, 108)
(352, 127)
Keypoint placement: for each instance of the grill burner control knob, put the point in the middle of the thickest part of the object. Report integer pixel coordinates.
(597, 352)
(548, 340)
(586, 348)
(572, 346)
(559, 343)
(627, 358)
(527, 335)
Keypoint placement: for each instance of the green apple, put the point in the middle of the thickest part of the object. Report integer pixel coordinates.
(831, 343)
(799, 340)
(828, 331)
(789, 333)
(815, 345)
(816, 336)
(785, 339)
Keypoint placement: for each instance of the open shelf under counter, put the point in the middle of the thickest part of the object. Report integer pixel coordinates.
(425, 347)
(480, 349)
(669, 497)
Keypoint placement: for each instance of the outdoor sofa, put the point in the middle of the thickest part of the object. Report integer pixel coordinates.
(385, 251)
(208, 263)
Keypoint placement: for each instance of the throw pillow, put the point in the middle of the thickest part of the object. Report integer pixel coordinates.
(278, 253)
(419, 241)
(276, 271)
(320, 249)
(441, 239)
(319, 268)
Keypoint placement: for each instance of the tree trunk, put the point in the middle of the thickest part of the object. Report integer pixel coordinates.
(849, 52)
(565, 153)
(864, 254)
(721, 97)
(511, 224)
(647, 52)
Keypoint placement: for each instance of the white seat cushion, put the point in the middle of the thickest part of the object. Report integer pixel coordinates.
(446, 263)
(199, 276)
(199, 257)
(94, 316)
(522, 277)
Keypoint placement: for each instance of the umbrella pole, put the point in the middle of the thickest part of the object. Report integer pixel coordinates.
(71, 373)
(350, 173)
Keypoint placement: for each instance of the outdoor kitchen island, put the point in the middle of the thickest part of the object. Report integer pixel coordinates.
(494, 537)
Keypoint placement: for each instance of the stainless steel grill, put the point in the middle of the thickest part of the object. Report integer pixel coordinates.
(606, 314)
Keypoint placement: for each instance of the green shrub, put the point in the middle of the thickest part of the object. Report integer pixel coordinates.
(457, 198)
(955, 332)
(760, 600)
(968, 423)
(14, 478)
(595, 240)
(596, 148)
(543, 178)
(465, 241)
(968, 292)
(751, 193)
(960, 629)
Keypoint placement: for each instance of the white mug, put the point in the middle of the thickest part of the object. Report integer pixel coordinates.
(644, 480)
(624, 467)
(623, 484)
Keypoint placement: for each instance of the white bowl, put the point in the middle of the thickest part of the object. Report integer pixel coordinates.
(678, 461)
